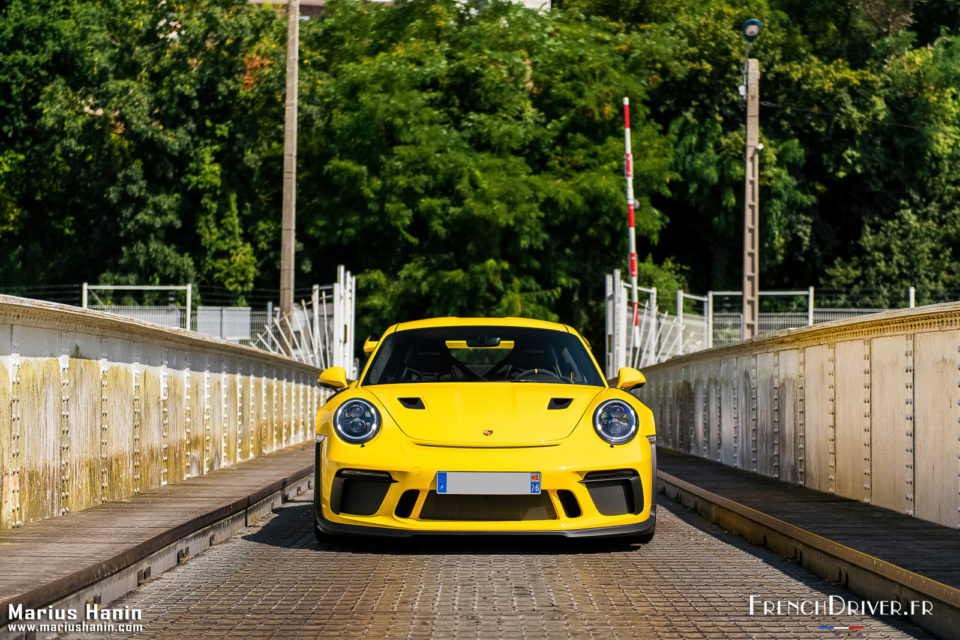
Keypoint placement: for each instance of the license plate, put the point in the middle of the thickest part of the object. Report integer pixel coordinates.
(498, 483)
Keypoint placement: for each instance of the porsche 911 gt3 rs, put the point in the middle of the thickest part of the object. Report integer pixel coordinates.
(484, 425)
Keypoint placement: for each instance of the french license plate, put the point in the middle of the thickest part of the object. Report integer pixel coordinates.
(499, 483)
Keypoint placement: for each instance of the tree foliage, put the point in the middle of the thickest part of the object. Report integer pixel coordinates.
(469, 162)
(859, 124)
(466, 158)
(143, 146)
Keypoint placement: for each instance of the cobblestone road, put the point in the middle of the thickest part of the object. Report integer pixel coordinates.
(692, 581)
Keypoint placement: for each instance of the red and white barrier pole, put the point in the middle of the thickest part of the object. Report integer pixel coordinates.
(632, 232)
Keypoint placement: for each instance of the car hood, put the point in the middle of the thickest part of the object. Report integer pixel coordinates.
(492, 414)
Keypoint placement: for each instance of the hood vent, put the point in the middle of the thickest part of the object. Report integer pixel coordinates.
(412, 403)
(559, 403)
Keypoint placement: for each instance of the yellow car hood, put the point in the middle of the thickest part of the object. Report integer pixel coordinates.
(493, 414)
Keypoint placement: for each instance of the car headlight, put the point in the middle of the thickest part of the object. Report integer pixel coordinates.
(356, 421)
(615, 422)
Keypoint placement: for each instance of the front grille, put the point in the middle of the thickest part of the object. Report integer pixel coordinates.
(615, 493)
(486, 508)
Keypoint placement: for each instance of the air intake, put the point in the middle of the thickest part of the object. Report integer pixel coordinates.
(412, 403)
(615, 493)
(359, 492)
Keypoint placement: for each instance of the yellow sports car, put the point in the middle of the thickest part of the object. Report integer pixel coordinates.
(484, 425)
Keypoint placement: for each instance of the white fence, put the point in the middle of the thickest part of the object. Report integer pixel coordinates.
(166, 316)
(233, 324)
(696, 325)
(657, 336)
(319, 332)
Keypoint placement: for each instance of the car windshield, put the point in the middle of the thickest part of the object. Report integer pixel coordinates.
(482, 354)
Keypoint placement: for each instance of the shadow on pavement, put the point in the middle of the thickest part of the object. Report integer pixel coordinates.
(786, 566)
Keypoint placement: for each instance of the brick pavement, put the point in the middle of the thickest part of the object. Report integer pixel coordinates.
(44, 561)
(693, 581)
(926, 548)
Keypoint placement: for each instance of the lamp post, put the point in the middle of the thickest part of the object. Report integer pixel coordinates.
(751, 204)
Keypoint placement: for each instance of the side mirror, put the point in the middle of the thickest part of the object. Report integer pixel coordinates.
(370, 345)
(333, 378)
(629, 378)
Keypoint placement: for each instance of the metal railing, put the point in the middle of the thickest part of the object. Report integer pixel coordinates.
(861, 409)
(240, 325)
(170, 405)
(319, 332)
(657, 335)
(162, 315)
(166, 316)
(702, 322)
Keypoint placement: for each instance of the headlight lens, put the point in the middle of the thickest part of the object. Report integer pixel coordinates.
(356, 421)
(615, 422)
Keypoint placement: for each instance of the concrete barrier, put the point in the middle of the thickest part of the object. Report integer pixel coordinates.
(865, 408)
(96, 408)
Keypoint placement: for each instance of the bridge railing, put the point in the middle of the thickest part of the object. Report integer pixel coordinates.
(318, 331)
(96, 408)
(709, 320)
(867, 408)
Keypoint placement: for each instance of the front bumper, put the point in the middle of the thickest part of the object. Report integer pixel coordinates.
(571, 504)
(617, 531)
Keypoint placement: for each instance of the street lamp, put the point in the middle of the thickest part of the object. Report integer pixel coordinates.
(751, 29)
(751, 205)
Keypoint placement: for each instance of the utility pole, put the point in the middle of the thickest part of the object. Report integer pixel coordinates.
(288, 225)
(751, 202)
(751, 205)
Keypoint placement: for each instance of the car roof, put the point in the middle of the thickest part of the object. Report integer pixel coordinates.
(429, 323)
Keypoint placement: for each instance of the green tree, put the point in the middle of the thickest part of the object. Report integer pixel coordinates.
(143, 142)
(469, 162)
(915, 246)
(855, 121)
(467, 159)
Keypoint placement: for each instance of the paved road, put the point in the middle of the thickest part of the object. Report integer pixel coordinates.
(692, 581)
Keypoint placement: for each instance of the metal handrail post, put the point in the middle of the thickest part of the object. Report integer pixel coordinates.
(189, 304)
(680, 316)
(315, 299)
(709, 322)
